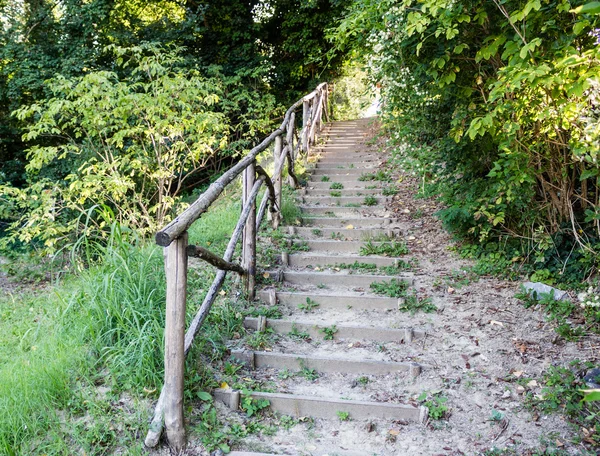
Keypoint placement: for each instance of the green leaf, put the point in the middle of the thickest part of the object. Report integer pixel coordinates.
(591, 395)
(204, 396)
(588, 8)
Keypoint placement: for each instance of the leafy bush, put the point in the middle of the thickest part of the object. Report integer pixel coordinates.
(495, 107)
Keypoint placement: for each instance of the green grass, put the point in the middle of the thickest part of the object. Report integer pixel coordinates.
(370, 201)
(394, 288)
(335, 194)
(104, 328)
(392, 249)
(336, 186)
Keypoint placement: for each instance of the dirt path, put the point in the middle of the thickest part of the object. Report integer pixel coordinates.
(473, 352)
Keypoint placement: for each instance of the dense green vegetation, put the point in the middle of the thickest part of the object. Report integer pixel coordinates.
(115, 113)
(495, 106)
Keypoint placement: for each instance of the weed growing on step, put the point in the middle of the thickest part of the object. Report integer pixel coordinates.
(308, 306)
(391, 249)
(290, 212)
(317, 232)
(336, 186)
(337, 236)
(329, 332)
(413, 304)
(389, 190)
(436, 403)
(297, 246)
(352, 205)
(253, 406)
(379, 175)
(308, 374)
(357, 266)
(371, 187)
(394, 288)
(295, 333)
(362, 380)
(325, 179)
(287, 422)
(259, 340)
(343, 416)
(370, 201)
(330, 214)
(285, 374)
(321, 286)
(261, 310)
(335, 194)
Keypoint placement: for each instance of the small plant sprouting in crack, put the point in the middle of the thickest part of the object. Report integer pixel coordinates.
(436, 403)
(413, 304)
(295, 333)
(336, 186)
(329, 332)
(343, 416)
(308, 306)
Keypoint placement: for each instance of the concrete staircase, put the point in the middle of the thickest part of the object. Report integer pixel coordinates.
(335, 329)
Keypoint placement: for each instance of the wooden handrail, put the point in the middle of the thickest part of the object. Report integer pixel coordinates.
(169, 408)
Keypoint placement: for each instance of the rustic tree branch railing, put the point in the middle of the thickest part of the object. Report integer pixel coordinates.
(174, 238)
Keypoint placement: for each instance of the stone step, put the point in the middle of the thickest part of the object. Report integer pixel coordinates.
(339, 211)
(340, 279)
(344, 192)
(340, 178)
(342, 201)
(335, 246)
(302, 260)
(322, 364)
(356, 185)
(344, 222)
(345, 233)
(344, 171)
(335, 302)
(344, 332)
(300, 406)
(365, 165)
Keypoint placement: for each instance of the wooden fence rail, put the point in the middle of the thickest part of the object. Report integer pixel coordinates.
(168, 413)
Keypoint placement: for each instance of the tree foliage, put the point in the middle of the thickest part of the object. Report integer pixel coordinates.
(502, 98)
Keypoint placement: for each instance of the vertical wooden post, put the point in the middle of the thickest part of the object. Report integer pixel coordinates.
(290, 142)
(289, 137)
(176, 272)
(315, 105)
(249, 239)
(305, 126)
(277, 158)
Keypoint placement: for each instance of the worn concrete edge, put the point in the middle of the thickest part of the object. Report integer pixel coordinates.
(298, 406)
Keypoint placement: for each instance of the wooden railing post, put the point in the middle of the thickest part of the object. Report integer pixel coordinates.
(176, 272)
(314, 107)
(305, 125)
(277, 158)
(249, 239)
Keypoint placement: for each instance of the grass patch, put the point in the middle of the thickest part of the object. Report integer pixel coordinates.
(325, 179)
(102, 328)
(370, 201)
(335, 194)
(379, 175)
(394, 288)
(391, 249)
(336, 186)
